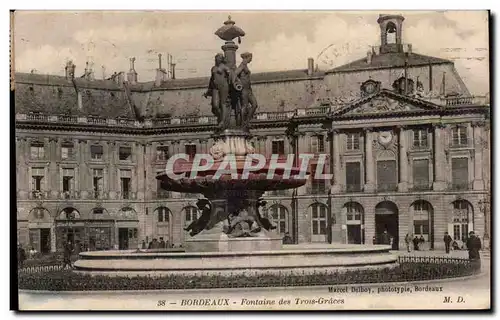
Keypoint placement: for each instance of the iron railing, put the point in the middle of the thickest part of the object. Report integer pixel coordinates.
(409, 268)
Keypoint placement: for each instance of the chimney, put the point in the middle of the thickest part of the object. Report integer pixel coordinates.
(69, 70)
(160, 73)
(132, 75)
(369, 56)
(173, 71)
(80, 104)
(310, 66)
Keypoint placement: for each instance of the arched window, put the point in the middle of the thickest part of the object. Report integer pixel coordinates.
(422, 219)
(69, 213)
(354, 215)
(190, 214)
(163, 226)
(462, 219)
(318, 217)
(278, 214)
(163, 214)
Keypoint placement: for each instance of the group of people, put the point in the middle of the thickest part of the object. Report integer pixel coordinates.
(155, 244)
(418, 242)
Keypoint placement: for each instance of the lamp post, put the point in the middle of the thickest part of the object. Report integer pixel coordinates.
(484, 206)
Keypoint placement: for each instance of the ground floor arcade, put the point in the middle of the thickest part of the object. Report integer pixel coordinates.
(339, 219)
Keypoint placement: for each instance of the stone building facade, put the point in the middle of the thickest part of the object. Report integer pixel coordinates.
(408, 147)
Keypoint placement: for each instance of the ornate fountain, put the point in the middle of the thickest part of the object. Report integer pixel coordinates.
(231, 236)
(230, 217)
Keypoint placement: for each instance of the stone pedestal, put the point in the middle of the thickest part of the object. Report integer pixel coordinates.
(215, 240)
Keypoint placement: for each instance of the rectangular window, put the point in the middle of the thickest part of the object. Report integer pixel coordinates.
(96, 152)
(125, 153)
(352, 141)
(318, 186)
(125, 177)
(387, 175)
(420, 139)
(160, 192)
(162, 153)
(98, 183)
(67, 151)
(68, 182)
(37, 151)
(318, 144)
(460, 173)
(190, 150)
(353, 176)
(37, 175)
(421, 174)
(278, 147)
(459, 136)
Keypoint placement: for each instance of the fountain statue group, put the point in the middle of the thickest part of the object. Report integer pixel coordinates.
(239, 223)
(231, 90)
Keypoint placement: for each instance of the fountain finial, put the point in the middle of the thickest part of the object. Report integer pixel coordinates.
(229, 30)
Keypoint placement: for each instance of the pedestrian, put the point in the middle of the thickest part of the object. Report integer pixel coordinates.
(143, 245)
(473, 246)
(68, 249)
(287, 239)
(408, 238)
(421, 242)
(415, 243)
(32, 253)
(385, 238)
(447, 242)
(21, 255)
(162, 243)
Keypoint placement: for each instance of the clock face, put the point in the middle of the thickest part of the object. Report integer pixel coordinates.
(370, 87)
(385, 137)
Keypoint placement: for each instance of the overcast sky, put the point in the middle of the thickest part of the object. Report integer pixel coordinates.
(44, 41)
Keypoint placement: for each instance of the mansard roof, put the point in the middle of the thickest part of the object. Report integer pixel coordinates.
(389, 60)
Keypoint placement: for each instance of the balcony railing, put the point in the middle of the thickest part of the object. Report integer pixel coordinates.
(128, 195)
(96, 120)
(189, 195)
(317, 189)
(38, 195)
(66, 195)
(163, 194)
(68, 119)
(460, 186)
(353, 188)
(278, 193)
(37, 117)
(387, 187)
(463, 143)
(421, 187)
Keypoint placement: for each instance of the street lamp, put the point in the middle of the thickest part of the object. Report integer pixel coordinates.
(484, 206)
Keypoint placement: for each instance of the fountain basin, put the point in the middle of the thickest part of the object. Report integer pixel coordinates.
(307, 258)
